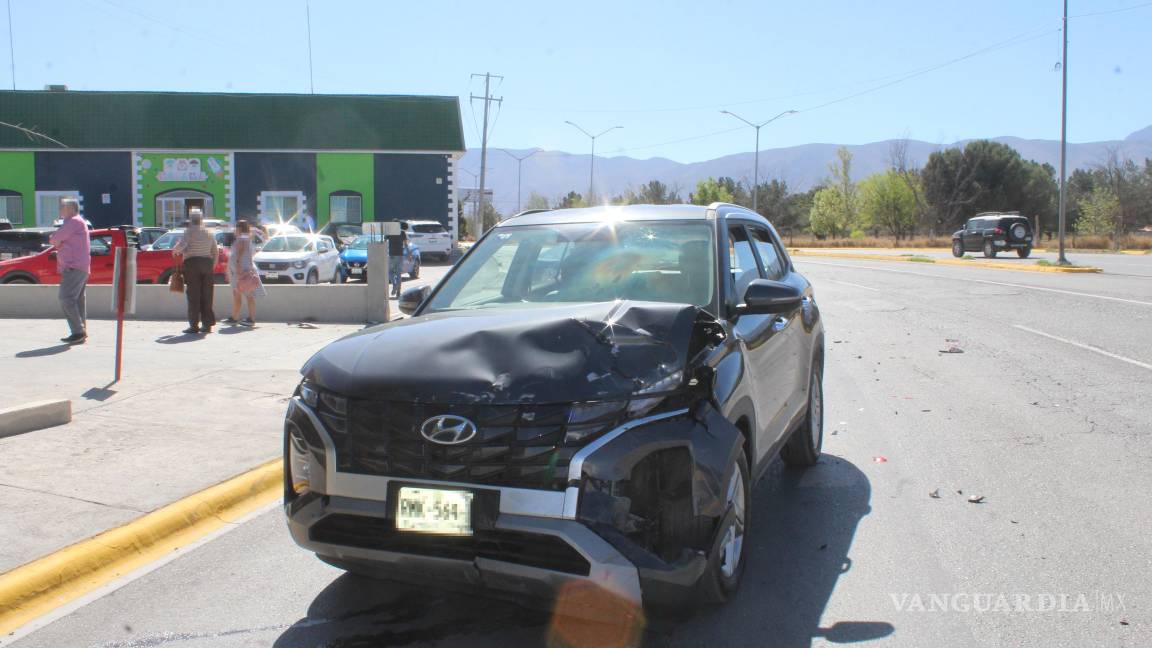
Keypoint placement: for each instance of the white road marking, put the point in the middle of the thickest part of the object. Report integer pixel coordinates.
(112, 586)
(1086, 347)
(856, 285)
(986, 281)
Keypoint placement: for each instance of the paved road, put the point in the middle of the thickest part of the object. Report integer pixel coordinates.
(1053, 433)
(1119, 264)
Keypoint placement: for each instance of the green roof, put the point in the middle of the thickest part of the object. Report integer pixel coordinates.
(182, 120)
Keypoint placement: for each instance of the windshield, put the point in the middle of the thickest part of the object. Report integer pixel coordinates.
(663, 261)
(168, 241)
(287, 244)
(360, 243)
(429, 229)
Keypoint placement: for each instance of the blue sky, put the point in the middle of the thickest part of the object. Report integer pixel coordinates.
(662, 70)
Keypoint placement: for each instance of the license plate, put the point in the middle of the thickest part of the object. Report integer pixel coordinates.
(271, 275)
(356, 271)
(430, 510)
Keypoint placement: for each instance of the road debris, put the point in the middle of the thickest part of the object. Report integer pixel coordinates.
(879, 459)
(976, 499)
(935, 494)
(951, 346)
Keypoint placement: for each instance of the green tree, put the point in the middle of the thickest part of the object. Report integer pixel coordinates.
(836, 207)
(709, 191)
(656, 193)
(573, 199)
(1099, 212)
(536, 201)
(490, 217)
(772, 203)
(887, 203)
(829, 214)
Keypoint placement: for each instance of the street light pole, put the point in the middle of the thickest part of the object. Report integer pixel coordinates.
(519, 160)
(592, 162)
(1063, 138)
(756, 170)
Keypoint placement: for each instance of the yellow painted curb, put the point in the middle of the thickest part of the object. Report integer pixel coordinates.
(955, 262)
(34, 589)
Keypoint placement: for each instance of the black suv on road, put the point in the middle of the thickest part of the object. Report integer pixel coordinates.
(582, 404)
(992, 232)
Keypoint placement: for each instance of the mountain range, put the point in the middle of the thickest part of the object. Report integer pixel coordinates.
(555, 173)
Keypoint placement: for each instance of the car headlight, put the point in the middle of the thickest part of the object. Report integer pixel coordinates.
(299, 264)
(330, 407)
(299, 468)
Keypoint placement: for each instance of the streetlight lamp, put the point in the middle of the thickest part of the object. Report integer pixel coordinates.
(756, 170)
(519, 161)
(592, 161)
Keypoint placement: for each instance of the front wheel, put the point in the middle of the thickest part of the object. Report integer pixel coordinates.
(989, 250)
(1023, 252)
(18, 280)
(726, 560)
(313, 277)
(803, 447)
(957, 249)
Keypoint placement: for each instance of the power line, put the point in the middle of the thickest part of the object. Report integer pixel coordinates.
(1021, 38)
(1112, 11)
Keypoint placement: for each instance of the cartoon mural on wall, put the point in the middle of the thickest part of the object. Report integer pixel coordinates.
(168, 183)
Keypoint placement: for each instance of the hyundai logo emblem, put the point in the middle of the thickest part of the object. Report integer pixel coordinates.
(448, 429)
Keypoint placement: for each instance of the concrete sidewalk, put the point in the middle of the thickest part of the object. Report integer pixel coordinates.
(189, 412)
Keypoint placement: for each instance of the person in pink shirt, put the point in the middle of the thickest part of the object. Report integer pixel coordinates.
(74, 260)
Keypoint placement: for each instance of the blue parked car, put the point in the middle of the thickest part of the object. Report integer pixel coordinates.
(354, 259)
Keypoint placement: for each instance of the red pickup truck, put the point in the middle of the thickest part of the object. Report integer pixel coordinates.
(153, 266)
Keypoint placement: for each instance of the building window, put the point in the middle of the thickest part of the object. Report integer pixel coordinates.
(11, 208)
(284, 207)
(48, 206)
(345, 207)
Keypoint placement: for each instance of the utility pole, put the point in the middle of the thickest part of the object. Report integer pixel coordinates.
(756, 164)
(519, 161)
(488, 100)
(11, 45)
(308, 19)
(592, 160)
(1063, 260)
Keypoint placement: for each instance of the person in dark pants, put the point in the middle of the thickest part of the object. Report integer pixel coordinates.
(73, 258)
(199, 250)
(396, 246)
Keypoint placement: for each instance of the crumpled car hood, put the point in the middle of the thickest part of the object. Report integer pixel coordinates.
(566, 353)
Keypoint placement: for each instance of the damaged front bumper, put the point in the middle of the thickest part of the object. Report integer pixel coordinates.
(638, 514)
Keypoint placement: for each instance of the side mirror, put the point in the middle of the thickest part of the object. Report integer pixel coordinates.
(411, 299)
(766, 297)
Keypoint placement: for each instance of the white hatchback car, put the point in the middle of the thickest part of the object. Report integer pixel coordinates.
(299, 258)
(431, 237)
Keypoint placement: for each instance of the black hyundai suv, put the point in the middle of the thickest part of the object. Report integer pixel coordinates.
(582, 404)
(992, 232)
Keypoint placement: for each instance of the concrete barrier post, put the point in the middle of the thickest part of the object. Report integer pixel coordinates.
(377, 281)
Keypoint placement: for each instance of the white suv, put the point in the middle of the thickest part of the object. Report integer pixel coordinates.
(299, 258)
(431, 237)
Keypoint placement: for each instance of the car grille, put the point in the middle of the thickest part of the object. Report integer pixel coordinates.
(268, 265)
(523, 446)
(356, 264)
(535, 550)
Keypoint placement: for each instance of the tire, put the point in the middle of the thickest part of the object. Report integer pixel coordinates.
(164, 277)
(989, 250)
(722, 577)
(18, 280)
(313, 277)
(957, 249)
(337, 276)
(415, 273)
(1023, 252)
(803, 448)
